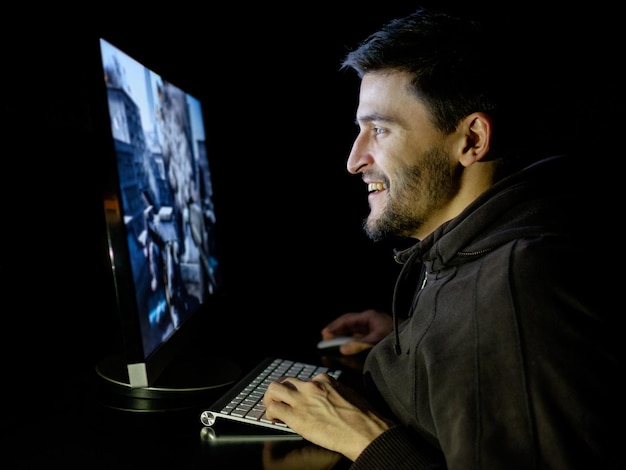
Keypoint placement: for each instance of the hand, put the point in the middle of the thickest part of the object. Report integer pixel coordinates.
(370, 326)
(325, 412)
(279, 456)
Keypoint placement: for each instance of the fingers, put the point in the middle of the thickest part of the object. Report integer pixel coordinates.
(276, 397)
(282, 394)
(294, 383)
(344, 325)
(354, 347)
(320, 379)
(284, 389)
(287, 383)
(373, 324)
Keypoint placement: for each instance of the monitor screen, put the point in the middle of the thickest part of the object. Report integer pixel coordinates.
(159, 211)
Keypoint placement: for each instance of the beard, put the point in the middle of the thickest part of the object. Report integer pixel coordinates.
(418, 193)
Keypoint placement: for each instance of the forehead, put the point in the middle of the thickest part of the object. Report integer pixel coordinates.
(386, 81)
(389, 95)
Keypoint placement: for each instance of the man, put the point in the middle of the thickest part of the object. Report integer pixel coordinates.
(498, 354)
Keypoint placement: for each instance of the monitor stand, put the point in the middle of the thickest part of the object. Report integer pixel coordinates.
(186, 382)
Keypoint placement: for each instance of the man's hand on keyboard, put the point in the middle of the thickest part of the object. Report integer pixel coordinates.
(325, 412)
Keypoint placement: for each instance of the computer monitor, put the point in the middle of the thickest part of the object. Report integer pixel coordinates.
(160, 222)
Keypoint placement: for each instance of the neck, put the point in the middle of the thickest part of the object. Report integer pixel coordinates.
(474, 181)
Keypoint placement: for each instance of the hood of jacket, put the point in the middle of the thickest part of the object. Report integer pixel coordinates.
(543, 199)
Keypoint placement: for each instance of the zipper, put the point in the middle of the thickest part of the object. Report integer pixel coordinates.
(425, 279)
(474, 253)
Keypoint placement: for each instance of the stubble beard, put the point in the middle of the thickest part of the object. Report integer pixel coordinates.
(414, 197)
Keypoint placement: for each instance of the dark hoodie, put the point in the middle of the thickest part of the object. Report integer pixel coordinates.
(506, 357)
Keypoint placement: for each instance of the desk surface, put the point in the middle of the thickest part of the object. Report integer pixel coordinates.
(81, 428)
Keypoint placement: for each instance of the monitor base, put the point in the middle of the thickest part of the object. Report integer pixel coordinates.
(185, 383)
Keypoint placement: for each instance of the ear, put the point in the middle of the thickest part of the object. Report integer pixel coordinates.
(476, 133)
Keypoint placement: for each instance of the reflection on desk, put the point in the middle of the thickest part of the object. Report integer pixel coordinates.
(231, 444)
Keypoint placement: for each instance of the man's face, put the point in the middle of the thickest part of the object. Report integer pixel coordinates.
(403, 158)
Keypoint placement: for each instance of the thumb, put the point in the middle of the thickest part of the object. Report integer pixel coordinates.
(354, 347)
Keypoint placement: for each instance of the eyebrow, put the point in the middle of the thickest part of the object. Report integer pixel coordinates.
(375, 117)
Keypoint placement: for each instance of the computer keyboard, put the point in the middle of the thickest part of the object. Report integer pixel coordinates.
(243, 402)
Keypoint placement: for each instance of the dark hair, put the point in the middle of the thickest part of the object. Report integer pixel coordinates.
(461, 64)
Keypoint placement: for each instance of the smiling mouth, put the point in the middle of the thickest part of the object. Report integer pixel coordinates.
(373, 187)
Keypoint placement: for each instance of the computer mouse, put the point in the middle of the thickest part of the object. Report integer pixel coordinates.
(333, 343)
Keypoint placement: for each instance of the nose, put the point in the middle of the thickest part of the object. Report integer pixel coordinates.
(359, 157)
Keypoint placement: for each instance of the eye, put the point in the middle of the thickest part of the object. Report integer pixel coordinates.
(379, 130)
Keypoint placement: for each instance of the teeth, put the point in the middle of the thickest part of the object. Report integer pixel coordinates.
(376, 187)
